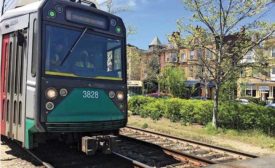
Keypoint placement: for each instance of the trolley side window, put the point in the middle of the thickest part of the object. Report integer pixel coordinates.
(10, 67)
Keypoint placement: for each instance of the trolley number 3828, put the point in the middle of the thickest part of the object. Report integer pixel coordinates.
(90, 94)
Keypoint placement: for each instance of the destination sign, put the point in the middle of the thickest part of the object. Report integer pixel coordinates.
(87, 18)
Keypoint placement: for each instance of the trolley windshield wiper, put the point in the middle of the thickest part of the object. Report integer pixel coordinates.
(73, 47)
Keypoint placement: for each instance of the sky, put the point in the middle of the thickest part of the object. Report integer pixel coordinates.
(153, 18)
(157, 18)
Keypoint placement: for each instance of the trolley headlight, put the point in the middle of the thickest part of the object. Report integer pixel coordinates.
(112, 94)
(63, 92)
(51, 93)
(120, 96)
(49, 106)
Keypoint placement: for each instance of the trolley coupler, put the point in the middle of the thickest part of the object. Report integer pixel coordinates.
(90, 145)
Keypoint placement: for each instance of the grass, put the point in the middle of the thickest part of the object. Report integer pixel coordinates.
(249, 141)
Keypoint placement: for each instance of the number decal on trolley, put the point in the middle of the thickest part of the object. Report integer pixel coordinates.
(90, 94)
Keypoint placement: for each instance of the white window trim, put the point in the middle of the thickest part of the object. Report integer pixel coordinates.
(192, 55)
(272, 48)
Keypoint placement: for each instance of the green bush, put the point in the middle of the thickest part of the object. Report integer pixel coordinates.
(231, 115)
(137, 102)
(203, 111)
(187, 112)
(144, 126)
(160, 109)
(173, 109)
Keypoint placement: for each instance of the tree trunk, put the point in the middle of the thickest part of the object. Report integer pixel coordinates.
(206, 90)
(216, 106)
(158, 88)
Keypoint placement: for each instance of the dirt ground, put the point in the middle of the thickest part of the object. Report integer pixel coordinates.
(13, 156)
(249, 148)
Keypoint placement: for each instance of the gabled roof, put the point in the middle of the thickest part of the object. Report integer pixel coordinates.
(155, 42)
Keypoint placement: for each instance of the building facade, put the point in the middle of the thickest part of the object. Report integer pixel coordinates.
(259, 83)
(187, 59)
(251, 83)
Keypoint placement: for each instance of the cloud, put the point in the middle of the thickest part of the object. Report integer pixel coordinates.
(131, 4)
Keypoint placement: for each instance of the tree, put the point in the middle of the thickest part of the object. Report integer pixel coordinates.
(152, 66)
(112, 8)
(133, 66)
(172, 80)
(227, 30)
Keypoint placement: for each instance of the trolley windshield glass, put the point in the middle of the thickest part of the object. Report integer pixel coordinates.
(73, 53)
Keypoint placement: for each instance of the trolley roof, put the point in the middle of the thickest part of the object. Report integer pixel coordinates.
(30, 8)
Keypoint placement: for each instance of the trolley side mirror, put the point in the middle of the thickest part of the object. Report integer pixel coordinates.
(20, 38)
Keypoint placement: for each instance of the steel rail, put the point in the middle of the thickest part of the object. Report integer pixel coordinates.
(135, 163)
(196, 142)
(198, 161)
(47, 165)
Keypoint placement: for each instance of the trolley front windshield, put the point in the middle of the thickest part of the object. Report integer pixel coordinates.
(79, 53)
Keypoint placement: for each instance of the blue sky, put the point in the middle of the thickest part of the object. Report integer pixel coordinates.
(157, 18)
(153, 18)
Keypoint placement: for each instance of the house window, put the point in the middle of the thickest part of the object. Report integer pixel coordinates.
(199, 53)
(250, 93)
(273, 71)
(167, 58)
(174, 57)
(208, 54)
(273, 52)
(183, 57)
(249, 55)
(192, 55)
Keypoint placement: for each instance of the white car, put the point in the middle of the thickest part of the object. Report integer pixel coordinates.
(272, 105)
(243, 101)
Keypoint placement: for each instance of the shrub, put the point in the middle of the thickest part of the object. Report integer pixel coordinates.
(137, 102)
(146, 110)
(203, 111)
(160, 109)
(173, 109)
(144, 126)
(155, 109)
(231, 115)
(187, 111)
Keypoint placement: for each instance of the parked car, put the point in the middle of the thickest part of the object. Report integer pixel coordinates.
(243, 101)
(272, 105)
(159, 95)
(199, 98)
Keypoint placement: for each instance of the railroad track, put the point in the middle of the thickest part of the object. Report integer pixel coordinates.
(59, 155)
(128, 153)
(151, 155)
(185, 150)
(138, 148)
(135, 164)
(62, 157)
